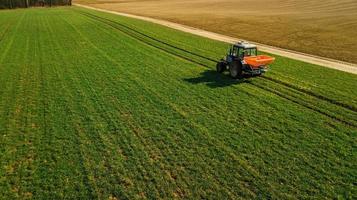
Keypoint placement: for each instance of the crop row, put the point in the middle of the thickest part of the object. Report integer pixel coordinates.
(89, 111)
(285, 90)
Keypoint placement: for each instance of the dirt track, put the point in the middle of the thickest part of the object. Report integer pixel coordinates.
(330, 63)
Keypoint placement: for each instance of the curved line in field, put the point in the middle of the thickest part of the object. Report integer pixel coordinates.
(247, 167)
(108, 21)
(313, 59)
(332, 101)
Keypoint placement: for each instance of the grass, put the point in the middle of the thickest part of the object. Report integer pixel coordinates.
(320, 28)
(94, 105)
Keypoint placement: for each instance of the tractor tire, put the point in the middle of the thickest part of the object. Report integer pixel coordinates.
(235, 70)
(220, 67)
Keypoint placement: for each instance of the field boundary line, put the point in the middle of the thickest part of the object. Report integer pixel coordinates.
(100, 19)
(332, 101)
(308, 58)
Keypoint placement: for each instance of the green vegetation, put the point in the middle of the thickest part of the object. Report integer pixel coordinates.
(324, 28)
(94, 105)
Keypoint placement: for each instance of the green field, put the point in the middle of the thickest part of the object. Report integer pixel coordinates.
(97, 106)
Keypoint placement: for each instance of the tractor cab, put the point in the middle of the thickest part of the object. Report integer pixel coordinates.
(242, 49)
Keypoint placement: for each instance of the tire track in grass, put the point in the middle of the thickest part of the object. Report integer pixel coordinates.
(332, 101)
(150, 44)
(298, 102)
(75, 109)
(175, 107)
(12, 37)
(29, 121)
(80, 139)
(322, 106)
(200, 129)
(32, 122)
(105, 20)
(317, 96)
(8, 46)
(135, 130)
(90, 185)
(100, 141)
(294, 101)
(40, 108)
(22, 117)
(102, 111)
(200, 96)
(46, 162)
(305, 104)
(5, 31)
(138, 131)
(197, 127)
(290, 94)
(18, 161)
(117, 63)
(114, 128)
(9, 88)
(45, 139)
(263, 89)
(203, 96)
(145, 35)
(25, 154)
(320, 97)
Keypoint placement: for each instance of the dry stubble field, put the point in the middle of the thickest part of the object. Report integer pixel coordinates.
(324, 28)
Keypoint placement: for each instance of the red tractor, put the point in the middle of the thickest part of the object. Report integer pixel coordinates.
(242, 58)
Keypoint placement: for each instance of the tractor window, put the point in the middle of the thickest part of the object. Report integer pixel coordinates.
(250, 52)
(253, 52)
(235, 51)
(240, 52)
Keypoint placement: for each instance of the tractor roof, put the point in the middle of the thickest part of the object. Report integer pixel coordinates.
(245, 45)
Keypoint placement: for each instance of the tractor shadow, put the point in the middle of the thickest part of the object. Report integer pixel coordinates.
(215, 80)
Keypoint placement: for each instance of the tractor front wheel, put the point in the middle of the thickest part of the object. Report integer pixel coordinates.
(220, 67)
(235, 70)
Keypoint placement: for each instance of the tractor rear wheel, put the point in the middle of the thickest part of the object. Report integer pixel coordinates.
(220, 67)
(235, 70)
